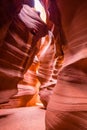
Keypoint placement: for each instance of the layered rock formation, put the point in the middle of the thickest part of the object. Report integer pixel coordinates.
(45, 69)
(18, 46)
(67, 108)
(50, 63)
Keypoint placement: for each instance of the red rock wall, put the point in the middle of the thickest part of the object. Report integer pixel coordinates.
(18, 45)
(70, 93)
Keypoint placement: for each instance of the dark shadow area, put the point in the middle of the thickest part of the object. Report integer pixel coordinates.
(4, 115)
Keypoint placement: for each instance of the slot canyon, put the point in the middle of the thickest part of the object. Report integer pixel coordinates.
(43, 67)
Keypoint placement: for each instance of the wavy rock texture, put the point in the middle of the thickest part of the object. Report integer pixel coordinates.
(17, 50)
(11, 56)
(46, 73)
(67, 109)
(28, 87)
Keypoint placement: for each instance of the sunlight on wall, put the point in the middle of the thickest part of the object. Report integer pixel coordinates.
(40, 9)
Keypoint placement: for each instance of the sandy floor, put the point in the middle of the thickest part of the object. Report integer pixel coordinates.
(26, 118)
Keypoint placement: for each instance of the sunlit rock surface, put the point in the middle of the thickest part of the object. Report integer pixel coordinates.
(45, 69)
